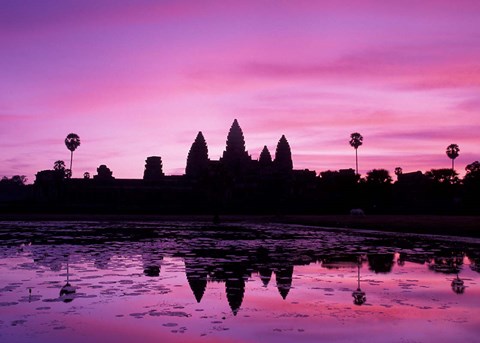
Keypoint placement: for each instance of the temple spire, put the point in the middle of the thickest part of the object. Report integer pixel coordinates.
(197, 278)
(235, 289)
(235, 142)
(197, 160)
(265, 158)
(284, 280)
(235, 155)
(283, 155)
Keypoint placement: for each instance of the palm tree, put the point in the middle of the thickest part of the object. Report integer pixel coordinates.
(59, 165)
(72, 142)
(356, 140)
(452, 152)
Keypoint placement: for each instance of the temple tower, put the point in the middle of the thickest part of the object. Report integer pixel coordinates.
(153, 168)
(235, 156)
(235, 289)
(284, 277)
(103, 173)
(283, 156)
(265, 158)
(197, 160)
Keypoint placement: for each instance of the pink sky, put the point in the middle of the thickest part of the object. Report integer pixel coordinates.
(141, 78)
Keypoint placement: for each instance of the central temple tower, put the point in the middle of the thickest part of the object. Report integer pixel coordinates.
(235, 156)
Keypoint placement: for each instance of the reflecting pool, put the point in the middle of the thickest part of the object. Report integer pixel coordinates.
(192, 282)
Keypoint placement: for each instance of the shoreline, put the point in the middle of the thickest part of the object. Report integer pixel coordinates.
(463, 226)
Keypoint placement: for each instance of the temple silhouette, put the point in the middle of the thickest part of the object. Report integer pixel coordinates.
(238, 184)
(235, 183)
(236, 163)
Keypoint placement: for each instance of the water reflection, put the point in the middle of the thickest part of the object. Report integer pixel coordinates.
(380, 263)
(450, 262)
(359, 297)
(458, 285)
(151, 260)
(67, 292)
(241, 264)
(233, 258)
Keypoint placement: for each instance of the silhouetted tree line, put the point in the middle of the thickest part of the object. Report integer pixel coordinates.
(236, 183)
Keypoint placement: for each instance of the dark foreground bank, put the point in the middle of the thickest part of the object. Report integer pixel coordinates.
(465, 226)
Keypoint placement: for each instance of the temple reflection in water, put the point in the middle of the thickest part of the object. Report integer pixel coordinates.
(238, 281)
(203, 269)
(235, 255)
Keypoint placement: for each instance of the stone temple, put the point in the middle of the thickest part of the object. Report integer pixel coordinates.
(235, 183)
(236, 161)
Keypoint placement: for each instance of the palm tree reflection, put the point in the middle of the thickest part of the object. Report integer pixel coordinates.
(359, 297)
(67, 293)
(458, 285)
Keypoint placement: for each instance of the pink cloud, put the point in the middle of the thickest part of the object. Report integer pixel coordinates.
(470, 105)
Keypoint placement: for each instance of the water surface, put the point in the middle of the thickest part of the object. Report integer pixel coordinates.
(190, 282)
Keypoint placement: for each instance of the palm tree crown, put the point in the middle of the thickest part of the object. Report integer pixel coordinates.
(356, 140)
(452, 152)
(72, 142)
(59, 165)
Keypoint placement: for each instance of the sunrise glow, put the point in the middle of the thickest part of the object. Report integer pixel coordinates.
(135, 79)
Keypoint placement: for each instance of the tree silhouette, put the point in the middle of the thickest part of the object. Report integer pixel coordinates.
(17, 180)
(86, 175)
(398, 171)
(68, 173)
(452, 152)
(473, 167)
(72, 142)
(356, 140)
(471, 182)
(443, 176)
(59, 168)
(377, 188)
(378, 177)
(59, 165)
(473, 172)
